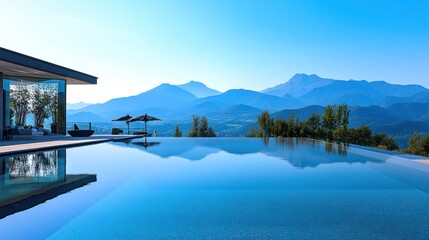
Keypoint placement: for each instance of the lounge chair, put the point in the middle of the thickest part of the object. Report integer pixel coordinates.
(81, 133)
(143, 133)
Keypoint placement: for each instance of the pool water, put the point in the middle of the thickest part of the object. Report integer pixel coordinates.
(232, 188)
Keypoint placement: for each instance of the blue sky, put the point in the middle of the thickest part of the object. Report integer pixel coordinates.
(133, 46)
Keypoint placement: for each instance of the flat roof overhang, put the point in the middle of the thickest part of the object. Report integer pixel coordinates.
(20, 65)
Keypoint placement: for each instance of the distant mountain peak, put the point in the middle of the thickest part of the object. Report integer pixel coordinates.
(195, 82)
(299, 85)
(198, 89)
(300, 75)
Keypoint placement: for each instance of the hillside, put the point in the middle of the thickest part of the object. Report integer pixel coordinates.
(411, 111)
(85, 117)
(163, 96)
(301, 113)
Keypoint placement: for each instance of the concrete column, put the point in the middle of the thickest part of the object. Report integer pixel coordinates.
(2, 107)
(62, 89)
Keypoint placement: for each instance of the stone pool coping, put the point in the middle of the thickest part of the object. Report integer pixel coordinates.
(46, 143)
(407, 160)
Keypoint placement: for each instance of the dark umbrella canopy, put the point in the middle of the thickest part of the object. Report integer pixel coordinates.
(124, 118)
(144, 118)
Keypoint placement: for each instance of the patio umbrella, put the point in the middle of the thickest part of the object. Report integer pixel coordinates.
(144, 118)
(124, 118)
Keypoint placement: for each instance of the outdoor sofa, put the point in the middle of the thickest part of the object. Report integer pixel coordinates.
(13, 131)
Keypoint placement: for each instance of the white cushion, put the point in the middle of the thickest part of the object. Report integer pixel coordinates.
(37, 133)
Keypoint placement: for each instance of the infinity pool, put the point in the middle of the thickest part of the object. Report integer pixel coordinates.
(227, 188)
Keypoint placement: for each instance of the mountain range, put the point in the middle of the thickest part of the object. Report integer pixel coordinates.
(79, 105)
(378, 104)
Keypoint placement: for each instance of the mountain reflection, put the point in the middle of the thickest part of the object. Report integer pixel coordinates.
(299, 152)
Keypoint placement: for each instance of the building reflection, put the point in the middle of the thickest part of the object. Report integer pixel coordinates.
(48, 166)
(27, 180)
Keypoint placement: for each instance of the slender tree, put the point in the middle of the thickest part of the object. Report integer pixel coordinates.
(20, 103)
(342, 121)
(177, 132)
(195, 126)
(40, 104)
(52, 91)
(204, 127)
(314, 125)
(329, 121)
(265, 123)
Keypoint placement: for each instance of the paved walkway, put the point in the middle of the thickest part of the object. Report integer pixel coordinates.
(40, 143)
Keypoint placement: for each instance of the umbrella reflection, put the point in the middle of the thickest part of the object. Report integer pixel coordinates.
(146, 144)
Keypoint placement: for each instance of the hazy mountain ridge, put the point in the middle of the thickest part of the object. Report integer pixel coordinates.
(362, 93)
(253, 99)
(312, 90)
(198, 89)
(380, 105)
(299, 85)
(79, 105)
(88, 116)
(165, 95)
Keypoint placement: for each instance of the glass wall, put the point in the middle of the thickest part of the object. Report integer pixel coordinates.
(34, 102)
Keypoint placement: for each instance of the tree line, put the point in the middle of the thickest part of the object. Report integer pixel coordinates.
(331, 126)
(200, 128)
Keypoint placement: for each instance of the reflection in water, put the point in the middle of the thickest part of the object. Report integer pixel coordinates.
(139, 142)
(305, 152)
(46, 166)
(266, 141)
(299, 152)
(146, 144)
(27, 180)
(338, 148)
(40, 166)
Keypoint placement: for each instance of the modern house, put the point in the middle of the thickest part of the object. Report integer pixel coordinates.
(19, 71)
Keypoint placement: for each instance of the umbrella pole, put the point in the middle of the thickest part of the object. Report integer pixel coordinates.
(128, 125)
(145, 130)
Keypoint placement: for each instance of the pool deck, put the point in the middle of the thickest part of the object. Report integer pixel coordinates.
(41, 143)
